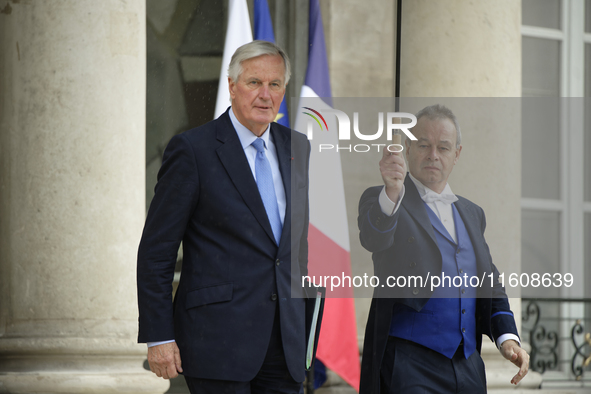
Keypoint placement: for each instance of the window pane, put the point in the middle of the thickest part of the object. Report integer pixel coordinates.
(588, 16)
(184, 48)
(540, 67)
(540, 249)
(540, 148)
(587, 151)
(542, 13)
(588, 69)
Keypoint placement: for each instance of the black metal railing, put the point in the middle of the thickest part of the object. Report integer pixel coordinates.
(558, 330)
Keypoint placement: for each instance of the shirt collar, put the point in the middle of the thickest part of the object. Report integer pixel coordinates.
(246, 136)
(424, 190)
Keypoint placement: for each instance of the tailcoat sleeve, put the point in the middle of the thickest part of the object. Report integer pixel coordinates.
(376, 229)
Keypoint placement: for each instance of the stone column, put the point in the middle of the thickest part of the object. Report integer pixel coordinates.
(72, 165)
(458, 48)
(360, 45)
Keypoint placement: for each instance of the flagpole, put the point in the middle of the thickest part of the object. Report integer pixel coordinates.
(398, 41)
(310, 381)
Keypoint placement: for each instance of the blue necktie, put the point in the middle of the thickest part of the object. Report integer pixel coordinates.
(264, 176)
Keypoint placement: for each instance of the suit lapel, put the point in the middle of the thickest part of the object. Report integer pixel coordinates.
(472, 225)
(233, 159)
(283, 146)
(413, 204)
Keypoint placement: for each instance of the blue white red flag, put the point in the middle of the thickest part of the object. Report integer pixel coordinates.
(263, 30)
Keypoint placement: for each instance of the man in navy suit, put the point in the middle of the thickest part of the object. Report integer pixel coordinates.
(420, 340)
(235, 192)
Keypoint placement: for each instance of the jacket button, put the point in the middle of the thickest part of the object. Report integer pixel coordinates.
(463, 330)
(412, 264)
(411, 240)
(415, 291)
(277, 262)
(463, 311)
(274, 297)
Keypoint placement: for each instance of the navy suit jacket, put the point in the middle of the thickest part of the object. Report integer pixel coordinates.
(405, 244)
(234, 275)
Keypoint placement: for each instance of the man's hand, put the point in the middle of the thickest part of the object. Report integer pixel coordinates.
(511, 350)
(165, 360)
(393, 170)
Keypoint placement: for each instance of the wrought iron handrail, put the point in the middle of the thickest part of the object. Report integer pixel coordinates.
(546, 342)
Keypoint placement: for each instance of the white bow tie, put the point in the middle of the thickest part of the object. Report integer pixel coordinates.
(446, 198)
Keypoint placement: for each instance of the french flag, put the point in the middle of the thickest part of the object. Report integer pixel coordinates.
(328, 238)
(263, 30)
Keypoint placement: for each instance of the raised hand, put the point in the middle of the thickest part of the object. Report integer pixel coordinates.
(393, 170)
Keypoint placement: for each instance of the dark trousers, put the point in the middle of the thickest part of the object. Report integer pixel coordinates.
(410, 368)
(273, 377)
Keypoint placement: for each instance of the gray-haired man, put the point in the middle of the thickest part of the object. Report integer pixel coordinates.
(235, 192)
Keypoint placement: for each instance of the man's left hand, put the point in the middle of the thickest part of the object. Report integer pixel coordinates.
(511, 350)
(165, 360)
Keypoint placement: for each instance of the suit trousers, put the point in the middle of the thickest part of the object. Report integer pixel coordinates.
(272, 378)
(410, 368)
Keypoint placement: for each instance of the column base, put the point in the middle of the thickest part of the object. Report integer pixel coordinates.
(76, 365)
(128, 382)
